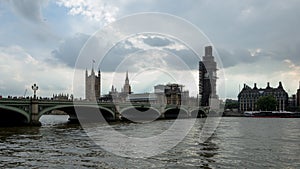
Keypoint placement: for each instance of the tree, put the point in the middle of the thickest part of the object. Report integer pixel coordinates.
(267, 103)
(231, 104)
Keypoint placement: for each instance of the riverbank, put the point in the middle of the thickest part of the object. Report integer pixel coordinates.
(233, 114)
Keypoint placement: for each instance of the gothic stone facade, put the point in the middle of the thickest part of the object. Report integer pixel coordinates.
(92, 86)
(298, 96)
(249, 96)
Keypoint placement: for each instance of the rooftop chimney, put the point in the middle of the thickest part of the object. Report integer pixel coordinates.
(280, 85)
(255, 86)
(268, 85)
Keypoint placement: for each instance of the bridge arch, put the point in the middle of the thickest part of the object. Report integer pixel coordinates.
(198, 112)
(18, 111)
(140, 113)
(176, 112)
(81, 110)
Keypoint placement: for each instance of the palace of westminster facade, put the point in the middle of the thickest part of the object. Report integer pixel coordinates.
(163, 94)
(174, 94)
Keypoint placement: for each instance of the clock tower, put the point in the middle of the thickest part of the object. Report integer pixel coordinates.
(207, 77)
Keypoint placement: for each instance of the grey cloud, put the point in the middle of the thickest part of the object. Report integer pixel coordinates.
(187, 57)
(235, 57)
(134, 59)
(272, 26)
(119, 58)
(28, 9)
(173, 58)
(114, 58)
(24, 26)
(156, 41)
(69, 49)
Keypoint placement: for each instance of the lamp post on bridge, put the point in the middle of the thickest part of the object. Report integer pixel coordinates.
(34, 114)
(34, 88)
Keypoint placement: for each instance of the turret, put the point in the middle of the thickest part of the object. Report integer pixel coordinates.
(112, 88)
(280, 86)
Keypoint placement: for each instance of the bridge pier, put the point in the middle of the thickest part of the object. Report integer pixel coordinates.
(117, 112)
(34, 115)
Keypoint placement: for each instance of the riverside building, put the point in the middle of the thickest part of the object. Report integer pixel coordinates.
(248, 97)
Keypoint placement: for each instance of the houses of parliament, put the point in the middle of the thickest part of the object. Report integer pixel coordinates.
(93, 87)
(169, 93)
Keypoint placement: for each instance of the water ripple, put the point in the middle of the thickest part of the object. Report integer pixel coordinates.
(237, 143)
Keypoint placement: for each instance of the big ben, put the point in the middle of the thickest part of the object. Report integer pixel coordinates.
(207, 77)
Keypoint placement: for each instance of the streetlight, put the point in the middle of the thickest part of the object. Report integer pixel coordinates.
(34, 88)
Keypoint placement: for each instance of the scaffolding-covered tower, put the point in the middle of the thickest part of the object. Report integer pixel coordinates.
(207, 77)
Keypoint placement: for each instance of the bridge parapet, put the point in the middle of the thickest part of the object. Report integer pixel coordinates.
(32, 110)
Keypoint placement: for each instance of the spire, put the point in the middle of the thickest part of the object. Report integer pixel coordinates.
(86, 73)
(93, 73)
(127, 76)
(127, 88)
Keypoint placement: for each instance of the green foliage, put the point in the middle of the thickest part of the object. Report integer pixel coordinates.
(232, 105)
(267, 103)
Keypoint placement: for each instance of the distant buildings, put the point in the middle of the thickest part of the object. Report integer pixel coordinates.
(248, 97)
(298, 96)
(207, 77)
(171, 94)
(165, 94)
(92, 86)
(115, 96)
(62, 97)
(293, 102)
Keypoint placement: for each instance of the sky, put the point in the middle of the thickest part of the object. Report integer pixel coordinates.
(254, 41)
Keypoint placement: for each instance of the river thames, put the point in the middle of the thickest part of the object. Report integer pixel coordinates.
(237, 143)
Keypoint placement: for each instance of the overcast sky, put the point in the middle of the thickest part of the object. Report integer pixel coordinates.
(255, 41)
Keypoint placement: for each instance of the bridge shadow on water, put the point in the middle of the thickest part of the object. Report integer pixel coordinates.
(88, 115)
(140, 114)
(12, 118)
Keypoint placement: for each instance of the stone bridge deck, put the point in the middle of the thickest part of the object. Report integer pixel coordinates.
(30, 111)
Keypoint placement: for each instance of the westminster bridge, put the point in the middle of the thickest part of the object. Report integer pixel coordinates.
(29, 111)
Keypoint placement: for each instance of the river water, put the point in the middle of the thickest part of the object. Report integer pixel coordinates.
(236, 143)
